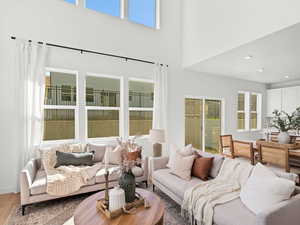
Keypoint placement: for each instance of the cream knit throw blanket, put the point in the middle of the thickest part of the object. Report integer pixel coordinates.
(68, 179)
(200, 200)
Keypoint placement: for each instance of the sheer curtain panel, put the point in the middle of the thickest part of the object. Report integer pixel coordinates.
(29, 69)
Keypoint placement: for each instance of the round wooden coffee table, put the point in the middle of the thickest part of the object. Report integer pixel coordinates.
(87, 214)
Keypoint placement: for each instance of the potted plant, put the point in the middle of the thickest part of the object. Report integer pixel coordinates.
(285, 122)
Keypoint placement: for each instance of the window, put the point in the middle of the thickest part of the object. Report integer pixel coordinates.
(140, 107)
(71, 1)
(103, 106)
(241, 111)
(254, 112)
(249, 111)
(111, 7)
(60, 106)
(142, 12)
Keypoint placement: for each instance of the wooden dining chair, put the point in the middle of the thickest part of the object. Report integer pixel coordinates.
(226, 145)
(273, 155)
(243, 149)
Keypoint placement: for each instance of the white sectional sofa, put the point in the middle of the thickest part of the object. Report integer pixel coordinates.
(233, 212)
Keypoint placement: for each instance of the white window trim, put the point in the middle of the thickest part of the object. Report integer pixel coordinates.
(73, 107)
(138, 108)
(108, 108)
(124, 12)
(247, 111)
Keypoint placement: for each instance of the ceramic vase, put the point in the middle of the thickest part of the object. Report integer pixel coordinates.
(127, 183)
(284, 138)
(116, 198)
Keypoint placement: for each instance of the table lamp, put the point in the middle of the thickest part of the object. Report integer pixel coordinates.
(157, 136)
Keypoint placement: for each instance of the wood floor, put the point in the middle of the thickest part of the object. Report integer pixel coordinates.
(7, 203)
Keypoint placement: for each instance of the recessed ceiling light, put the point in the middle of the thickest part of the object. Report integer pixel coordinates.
(286, 76)
(247, 57)
(260, 70)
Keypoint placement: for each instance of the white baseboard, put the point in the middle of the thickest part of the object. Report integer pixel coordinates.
(5, 190)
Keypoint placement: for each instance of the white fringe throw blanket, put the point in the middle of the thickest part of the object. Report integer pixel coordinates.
(200, 200)
(67, 179)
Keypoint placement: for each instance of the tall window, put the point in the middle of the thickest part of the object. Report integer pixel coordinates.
(241, 111)
(111, 7)
(103, 106)
(249, 111)
(141, 96)
(142, 12)
(60, 105)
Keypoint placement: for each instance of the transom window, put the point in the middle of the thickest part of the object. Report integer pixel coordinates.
(143, 12)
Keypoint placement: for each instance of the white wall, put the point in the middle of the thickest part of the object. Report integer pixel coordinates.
(58, 22)
(214, 27)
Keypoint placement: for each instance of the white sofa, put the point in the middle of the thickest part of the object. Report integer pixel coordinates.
(33, 182)
(233, 212)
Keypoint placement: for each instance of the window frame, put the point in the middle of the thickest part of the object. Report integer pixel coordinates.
(124, 12)
(108, 108)
(144, 109)
(72, 107)
(258, 111)
(247, 111)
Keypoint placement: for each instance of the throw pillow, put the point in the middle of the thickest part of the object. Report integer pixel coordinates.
(185, 151)
(113, 155)
(99, 151)
(137, 154)
(74, 159)
(264, 189)
(202, 167)
(183, 166)
(217, 162)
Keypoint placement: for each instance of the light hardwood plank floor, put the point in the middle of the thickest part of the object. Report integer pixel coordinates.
(7, 203)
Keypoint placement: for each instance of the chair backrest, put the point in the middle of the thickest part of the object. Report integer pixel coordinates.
(278, 156)
(243, 149)
(274, 136)
(226, 142)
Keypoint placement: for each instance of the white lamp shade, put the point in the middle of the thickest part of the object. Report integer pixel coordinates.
(157, 135)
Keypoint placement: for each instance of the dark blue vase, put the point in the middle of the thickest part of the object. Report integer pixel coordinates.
(127, 183)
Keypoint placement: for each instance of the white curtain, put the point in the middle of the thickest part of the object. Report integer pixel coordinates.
(29, 69)
(160, 98)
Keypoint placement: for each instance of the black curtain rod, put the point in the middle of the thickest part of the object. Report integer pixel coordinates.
(94, 52)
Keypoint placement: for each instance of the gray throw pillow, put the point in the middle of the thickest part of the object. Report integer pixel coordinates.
(217, 162)
(75, 159)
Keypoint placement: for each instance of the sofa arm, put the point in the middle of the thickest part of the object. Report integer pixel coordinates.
(286, 212)
(157, 163)
(27, 176)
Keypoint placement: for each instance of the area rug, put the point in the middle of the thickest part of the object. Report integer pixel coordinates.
(58, 212)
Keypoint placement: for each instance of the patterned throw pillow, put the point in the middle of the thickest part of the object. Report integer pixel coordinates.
(182, 166)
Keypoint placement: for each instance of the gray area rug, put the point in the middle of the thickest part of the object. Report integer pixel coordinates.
(57, 212)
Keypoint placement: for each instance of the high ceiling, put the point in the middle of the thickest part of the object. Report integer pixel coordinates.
(273, 58)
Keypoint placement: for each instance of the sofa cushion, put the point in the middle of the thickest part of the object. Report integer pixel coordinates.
(233, 213)
(265, 189)
(74, 159)
(99, 151)
(217, 162)
(183, 166)
(175, 184)
(113, 155)
(202, 167)
(185, 151)
(39, 184)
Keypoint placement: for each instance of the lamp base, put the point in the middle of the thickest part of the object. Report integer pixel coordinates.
(157, 150)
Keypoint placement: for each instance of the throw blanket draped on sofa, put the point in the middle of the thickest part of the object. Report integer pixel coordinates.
(67, 179)
(199, 201)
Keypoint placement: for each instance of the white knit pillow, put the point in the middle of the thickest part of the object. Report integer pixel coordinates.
(265, 189)
(185, 151)
(114, 155)
(183, 166)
